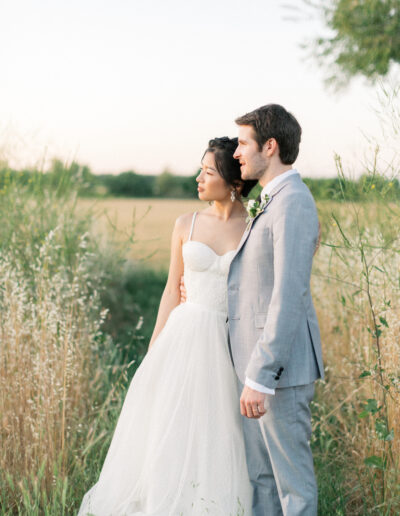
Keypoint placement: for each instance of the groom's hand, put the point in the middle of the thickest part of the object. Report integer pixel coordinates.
(183, 290)
(252, 403)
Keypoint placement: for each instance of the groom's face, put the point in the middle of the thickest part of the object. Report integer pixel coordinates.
(253, 163)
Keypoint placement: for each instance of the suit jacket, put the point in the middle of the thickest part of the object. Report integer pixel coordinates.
(274, 336)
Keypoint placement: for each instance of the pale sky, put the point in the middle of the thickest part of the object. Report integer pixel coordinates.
(143, 85)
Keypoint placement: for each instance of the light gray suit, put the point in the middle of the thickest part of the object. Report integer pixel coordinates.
(275, 341)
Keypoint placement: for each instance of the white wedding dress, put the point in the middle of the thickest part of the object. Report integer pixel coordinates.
(178, 447)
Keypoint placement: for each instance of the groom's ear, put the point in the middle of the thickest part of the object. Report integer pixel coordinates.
(270, 147)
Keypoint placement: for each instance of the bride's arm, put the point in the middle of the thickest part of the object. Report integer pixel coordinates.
(171, 295)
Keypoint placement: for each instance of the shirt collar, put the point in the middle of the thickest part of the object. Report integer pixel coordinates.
(276, 181)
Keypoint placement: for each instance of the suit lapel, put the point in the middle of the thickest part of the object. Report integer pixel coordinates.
(249, 226)
(273, 194)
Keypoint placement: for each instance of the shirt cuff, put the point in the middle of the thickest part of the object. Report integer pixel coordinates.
(258, 387)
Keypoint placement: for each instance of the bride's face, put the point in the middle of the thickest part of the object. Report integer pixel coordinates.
(210, 185)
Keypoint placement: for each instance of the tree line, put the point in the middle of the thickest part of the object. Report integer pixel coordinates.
(61, 178)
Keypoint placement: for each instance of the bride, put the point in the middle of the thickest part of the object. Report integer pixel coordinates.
(178, 447)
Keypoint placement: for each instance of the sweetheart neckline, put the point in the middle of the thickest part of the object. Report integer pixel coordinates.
(211, 249)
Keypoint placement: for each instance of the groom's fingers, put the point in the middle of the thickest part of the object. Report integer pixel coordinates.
(182, 290)
(252, 403)
(243, 410)
(254, 409)
(259, 409)
(249, 409)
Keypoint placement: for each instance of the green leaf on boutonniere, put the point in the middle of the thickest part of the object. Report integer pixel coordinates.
(254, 208)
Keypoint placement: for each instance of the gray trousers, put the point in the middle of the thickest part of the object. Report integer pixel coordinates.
(279, 457)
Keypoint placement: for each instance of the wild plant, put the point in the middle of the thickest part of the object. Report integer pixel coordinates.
(61, 375)
(357, 284)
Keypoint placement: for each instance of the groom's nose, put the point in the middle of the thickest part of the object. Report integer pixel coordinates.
(236, 154)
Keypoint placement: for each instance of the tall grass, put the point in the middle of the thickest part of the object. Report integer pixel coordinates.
(356, 284)
(60, 374)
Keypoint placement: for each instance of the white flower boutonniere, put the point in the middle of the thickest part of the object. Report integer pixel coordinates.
(254, 208)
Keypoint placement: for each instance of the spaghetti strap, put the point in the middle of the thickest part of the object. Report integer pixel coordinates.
(191, 229)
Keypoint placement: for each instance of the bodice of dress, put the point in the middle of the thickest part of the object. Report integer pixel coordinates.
(205, 275)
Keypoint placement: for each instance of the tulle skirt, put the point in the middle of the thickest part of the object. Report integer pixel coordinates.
(178, 445)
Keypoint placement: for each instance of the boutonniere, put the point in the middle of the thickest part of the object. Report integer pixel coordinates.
(254, 208)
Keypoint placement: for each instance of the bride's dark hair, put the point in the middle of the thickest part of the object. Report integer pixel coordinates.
(227, 166)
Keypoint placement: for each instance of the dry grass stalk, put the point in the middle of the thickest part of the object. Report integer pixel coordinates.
(48, 330)
(358, 304)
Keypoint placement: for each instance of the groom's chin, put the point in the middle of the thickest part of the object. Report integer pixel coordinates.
(244, 175)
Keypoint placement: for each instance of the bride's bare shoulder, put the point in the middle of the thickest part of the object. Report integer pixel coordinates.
(183, 223)
(184, 220)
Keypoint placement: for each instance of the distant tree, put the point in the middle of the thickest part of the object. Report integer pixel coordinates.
(168, 185)
(128, 184)
(365, 37)
(189, 186)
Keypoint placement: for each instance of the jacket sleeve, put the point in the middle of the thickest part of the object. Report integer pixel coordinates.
(295, 233)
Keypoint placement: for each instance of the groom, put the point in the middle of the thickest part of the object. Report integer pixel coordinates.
(273, 328)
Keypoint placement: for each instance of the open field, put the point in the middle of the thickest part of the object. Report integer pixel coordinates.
(75, 319)
(151, 221)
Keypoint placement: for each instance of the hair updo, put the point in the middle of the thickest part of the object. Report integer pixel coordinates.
(227, 166)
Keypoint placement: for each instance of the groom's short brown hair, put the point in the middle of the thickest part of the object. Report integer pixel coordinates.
(273, 121)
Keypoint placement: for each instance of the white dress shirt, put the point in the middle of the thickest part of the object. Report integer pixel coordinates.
(267, 190)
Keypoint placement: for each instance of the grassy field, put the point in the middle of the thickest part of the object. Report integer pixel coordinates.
(76, 316)
(151, 221)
